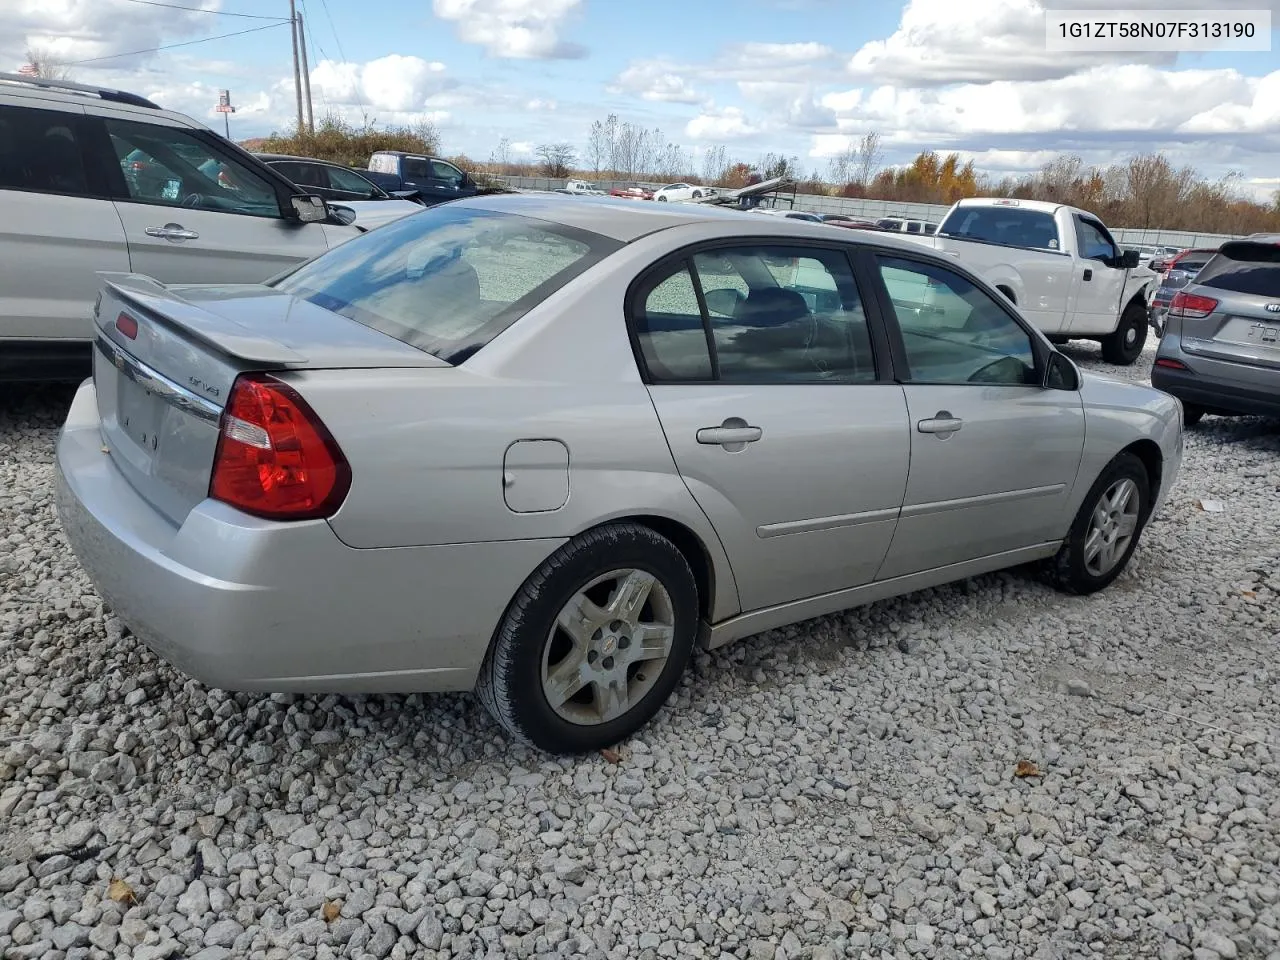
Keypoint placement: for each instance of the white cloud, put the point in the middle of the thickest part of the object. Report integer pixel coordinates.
(727, 124)
(658, 81)
(514, 29)
(540, 105)
(395, 83)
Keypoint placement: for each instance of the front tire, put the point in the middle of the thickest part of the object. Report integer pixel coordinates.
(1124, 346)
(1105, 532)
(594, 642)
(663, 199)
(697, 194)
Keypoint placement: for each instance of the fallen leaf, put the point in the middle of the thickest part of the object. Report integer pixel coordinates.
(330, 910)
(121, 892)
(611, 755)
(1248, 593)
(1025, 768)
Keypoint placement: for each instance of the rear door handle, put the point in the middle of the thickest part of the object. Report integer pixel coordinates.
(1088, 274)
(940, 423)
(172, 231)
(734, 434)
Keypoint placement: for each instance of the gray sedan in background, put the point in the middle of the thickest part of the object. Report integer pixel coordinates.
(1220, 350)
(542, 447)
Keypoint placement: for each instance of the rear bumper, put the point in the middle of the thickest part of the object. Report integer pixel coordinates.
(1217, 392)
(247, 604)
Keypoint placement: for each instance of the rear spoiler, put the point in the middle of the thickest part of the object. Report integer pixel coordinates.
(218, 333)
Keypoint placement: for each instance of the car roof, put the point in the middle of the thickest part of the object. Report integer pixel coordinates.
(92, 98)
(266, 157)
(627, 220)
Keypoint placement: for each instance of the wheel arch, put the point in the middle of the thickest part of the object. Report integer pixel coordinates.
(1148, 451)
(1009, 292)
(695, 554)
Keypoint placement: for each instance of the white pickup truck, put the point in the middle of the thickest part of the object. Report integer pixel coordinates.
(1058, 264)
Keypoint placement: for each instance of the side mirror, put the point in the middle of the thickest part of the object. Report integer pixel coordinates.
(1129, 259)
(723, 301)
(1060, 373)
(309, 209)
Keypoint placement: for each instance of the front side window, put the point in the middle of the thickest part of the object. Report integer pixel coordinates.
(953, 332)
(755, 314)
(171, 167)
(1094, 242)
(40, 151)
(446, 280)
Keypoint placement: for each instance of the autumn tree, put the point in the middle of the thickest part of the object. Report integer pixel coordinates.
(715, 164)
(47, 64)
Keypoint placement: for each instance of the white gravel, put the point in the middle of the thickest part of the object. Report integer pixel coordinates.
(843, 788)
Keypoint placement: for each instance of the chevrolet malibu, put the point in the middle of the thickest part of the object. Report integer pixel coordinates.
(543, 448)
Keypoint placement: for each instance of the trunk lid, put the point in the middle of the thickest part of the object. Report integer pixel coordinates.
(165, 359)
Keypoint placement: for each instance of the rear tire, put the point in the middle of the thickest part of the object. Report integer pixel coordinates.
(1124, 346)
(1192, 414)
(1059, 341)
(1101, 541)
(594, 642)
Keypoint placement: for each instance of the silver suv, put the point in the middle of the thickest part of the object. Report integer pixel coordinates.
(1220, 352)
(95, 179)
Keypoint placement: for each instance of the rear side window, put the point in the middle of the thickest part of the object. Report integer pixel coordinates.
(1243, 267)
(447, 280)
(39, 150)
(1009, 226)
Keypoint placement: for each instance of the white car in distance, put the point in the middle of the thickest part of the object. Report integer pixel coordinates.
(679, 191)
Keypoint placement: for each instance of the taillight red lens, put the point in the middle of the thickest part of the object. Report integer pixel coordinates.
(1192, 305)
(275, 458)
(1171, 364)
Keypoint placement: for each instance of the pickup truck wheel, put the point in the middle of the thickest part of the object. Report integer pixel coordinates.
(1125, 345)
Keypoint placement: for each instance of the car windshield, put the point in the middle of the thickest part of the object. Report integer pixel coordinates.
(447, 280)
(1008, 226)
(1244, 267)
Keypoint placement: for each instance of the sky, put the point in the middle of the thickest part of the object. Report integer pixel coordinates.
(802, 78)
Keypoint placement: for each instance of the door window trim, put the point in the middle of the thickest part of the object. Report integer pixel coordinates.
(870, 255)
(881, 345)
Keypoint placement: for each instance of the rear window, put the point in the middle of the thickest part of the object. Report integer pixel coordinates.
(1008, 226)
(1243, 267)
(449, 279)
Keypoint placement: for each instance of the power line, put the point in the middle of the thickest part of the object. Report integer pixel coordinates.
(216, 13)
(171, 46)
(343, 54)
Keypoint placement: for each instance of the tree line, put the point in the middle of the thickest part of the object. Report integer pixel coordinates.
(1146, 191)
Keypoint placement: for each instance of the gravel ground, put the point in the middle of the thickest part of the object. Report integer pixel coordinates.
(843, 788)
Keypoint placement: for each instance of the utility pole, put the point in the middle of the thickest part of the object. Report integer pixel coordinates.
(306, 77)
(297, 74)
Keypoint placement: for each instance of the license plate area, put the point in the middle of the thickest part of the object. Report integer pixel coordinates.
(139, 415)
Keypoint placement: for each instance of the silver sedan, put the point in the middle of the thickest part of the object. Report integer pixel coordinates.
(541, 448)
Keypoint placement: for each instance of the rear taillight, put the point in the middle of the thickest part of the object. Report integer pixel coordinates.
(275, 458)
(1171, 364)
(127, 325)
(1192, 305)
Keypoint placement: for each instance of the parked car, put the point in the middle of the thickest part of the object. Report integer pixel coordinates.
(435, 180)
(907, 225)
(1164, 261)
(97, 179)
(1182, 270)
(789, 214)
(1220, 352)
(853, 223)
(1059, 264)
(330, 180)
(360, 546)
(634, 192)
(678, 191)
(581, 188)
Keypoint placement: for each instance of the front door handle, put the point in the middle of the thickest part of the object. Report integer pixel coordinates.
(172, 231)
(941, 423)
(1088, 274)
(734, 434)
